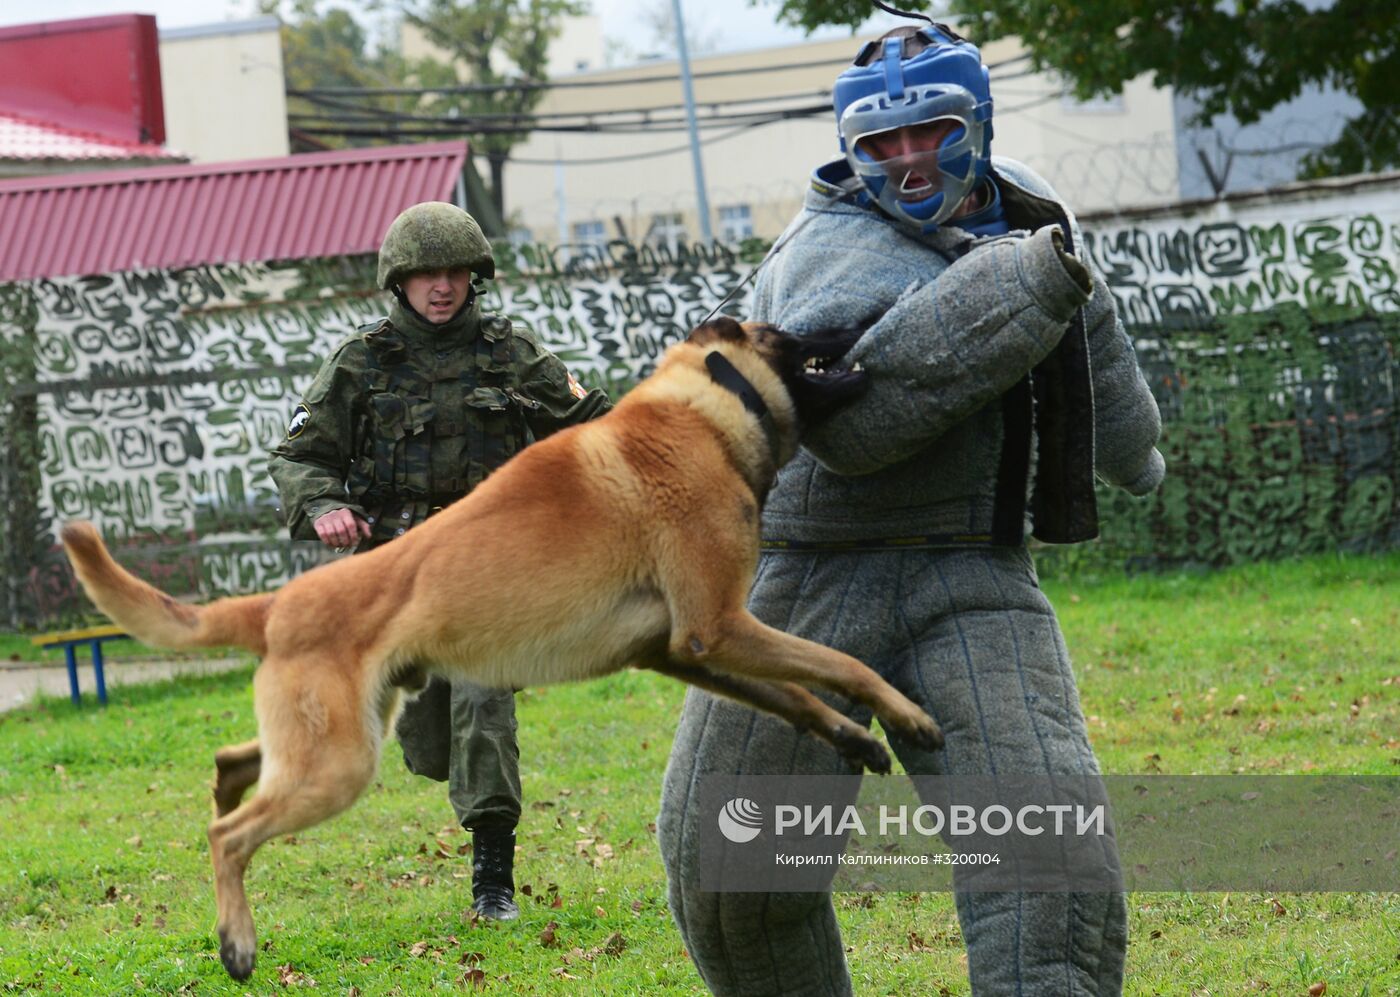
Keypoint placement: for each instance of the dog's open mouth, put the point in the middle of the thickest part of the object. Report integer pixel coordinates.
(823, 381)
(826, 366)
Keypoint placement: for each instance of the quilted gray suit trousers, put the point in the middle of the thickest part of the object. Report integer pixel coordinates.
(966, 633)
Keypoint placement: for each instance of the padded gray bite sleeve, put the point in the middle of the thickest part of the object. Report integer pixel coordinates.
(1127, 423)
(947, 348)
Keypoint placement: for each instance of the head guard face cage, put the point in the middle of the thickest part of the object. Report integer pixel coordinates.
(945, 82)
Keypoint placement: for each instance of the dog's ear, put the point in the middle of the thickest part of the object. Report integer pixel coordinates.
(720, 329)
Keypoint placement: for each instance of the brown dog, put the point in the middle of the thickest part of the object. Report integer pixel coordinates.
(630, 540)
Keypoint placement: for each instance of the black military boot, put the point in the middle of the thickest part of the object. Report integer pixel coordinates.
(493, 884)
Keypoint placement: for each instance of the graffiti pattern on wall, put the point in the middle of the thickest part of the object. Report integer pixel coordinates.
(1169, 270)
(159, 393)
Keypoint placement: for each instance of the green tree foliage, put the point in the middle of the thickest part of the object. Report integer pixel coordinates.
(489, 43)
(1242, 57)
(482, 43)
(330, 49)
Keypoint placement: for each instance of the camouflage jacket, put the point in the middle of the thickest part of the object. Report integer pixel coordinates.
(406, 416)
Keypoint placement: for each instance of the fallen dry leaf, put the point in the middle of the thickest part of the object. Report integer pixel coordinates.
(548, 936)
(289, 976)
(615, 945)
(1317, 989)
(474, 978)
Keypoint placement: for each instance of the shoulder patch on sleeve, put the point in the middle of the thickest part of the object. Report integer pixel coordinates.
(576, 389)
(301, 415)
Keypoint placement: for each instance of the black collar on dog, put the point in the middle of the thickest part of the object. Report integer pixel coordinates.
(724, 373)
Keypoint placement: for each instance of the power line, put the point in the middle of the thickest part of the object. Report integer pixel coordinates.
(465, 127)
(362, 113)
(357, 125)
(464, 88)
(492, 122)
(633, 157)
(453, 127)
(527, 85)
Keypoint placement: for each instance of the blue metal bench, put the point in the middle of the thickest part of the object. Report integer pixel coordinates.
(70, 641)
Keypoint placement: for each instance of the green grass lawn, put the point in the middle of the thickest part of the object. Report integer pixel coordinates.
(104, 879)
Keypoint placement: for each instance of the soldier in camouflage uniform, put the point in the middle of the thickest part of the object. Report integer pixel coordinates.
(409, 414)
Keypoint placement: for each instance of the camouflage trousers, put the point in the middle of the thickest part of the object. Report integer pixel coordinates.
(968, 635)
(464, 734)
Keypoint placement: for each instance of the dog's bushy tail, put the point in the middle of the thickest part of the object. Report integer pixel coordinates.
(153, 617)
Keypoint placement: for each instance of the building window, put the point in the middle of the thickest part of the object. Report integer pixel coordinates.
(666, 230)
(735, 222)
(590, 233)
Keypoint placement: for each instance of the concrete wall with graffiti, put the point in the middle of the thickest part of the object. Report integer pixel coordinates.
(1325, 243)
(147, 402)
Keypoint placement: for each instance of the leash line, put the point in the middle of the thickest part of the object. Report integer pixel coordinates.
(777, 248)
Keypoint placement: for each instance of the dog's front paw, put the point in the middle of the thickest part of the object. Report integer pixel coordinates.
(858, 745)
(927, 734)
(911, 722)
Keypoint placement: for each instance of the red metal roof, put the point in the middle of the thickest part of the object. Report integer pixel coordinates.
(100, 74)
(25, 139)
(318, 204)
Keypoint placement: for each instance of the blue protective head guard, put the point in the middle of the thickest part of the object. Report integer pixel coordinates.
(920, 78)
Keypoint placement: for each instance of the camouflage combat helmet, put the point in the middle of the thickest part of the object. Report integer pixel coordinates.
(433, 235)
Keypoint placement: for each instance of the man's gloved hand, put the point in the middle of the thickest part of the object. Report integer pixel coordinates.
(341, 528)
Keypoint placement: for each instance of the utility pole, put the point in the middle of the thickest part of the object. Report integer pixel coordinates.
(561, 205)
(702, 200)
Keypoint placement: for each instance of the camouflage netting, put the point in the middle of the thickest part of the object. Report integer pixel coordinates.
(1279, 431)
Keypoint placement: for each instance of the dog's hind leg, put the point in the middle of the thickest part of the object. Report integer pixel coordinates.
(794, 704)
(738, 644)
(319, 751)
(236, 768)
